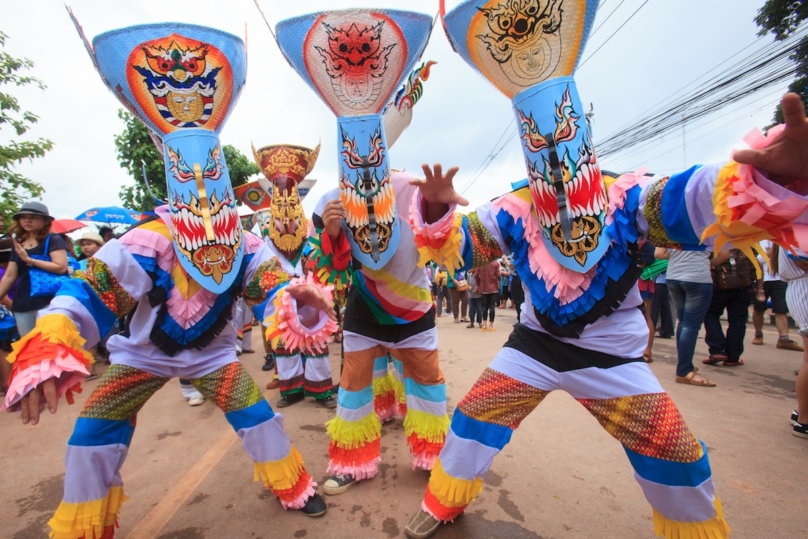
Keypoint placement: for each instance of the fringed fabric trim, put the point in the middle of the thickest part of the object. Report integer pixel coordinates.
(426, 426)
(284, 323)
(324, 269)
(96, 519)
(385, 398)
(423, 451)
(716, 528)
(281, 475)
(446, 496)
(440, 241)
(354, 434)
(361, 462)
(54, 349)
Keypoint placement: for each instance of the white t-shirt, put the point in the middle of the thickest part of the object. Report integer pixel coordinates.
(689, 266)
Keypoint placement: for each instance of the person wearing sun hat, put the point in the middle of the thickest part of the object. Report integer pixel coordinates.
(90, 242)
(35, 247)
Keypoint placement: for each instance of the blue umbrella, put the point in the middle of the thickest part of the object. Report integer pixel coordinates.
(110, 214)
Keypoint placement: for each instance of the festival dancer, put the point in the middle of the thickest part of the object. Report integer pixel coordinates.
(179, 274)
(355, 59)
(301, 373)
(574, 240)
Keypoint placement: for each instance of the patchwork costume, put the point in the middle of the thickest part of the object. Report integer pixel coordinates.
(355, 60)
(300, 372)
(178, 277)
(574, 241)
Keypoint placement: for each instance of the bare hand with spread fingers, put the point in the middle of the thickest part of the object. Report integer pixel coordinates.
(438, 191)
(31, 403)
(313, 296)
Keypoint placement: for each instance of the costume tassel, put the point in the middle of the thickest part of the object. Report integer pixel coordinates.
(716, 528)
(96, 519)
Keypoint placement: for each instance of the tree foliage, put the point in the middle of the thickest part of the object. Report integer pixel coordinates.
(15, 187)
(135, 147)
(782, 18)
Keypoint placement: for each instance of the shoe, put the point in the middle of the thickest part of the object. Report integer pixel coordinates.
(315, 506)
(800, 430)
(294, 398)
(470, 325)
(328, 402)
(795, 417)
(248, 351)
(273, 384)
(714, 359)
(758, 340)
(92, 376)
(421, 526)
(269, 362)
(788, 344)
(196, 401)
(337, 484)
(690, 380)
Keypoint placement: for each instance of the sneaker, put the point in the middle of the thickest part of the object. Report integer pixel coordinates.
(294, 398)
(788, 344)
(800, 430)
(315, 506)
(795, 417)
(328, 402)
(758, 339)
(337, 484)
(196, 401)
(248, 351)
(421, 526)
(269, 362)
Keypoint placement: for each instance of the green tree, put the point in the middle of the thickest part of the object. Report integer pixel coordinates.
(135, 147)
(15, 187)
(782, 18)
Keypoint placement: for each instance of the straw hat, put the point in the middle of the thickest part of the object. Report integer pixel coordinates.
(92, 236)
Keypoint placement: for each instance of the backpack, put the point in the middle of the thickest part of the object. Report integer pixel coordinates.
(737, 272)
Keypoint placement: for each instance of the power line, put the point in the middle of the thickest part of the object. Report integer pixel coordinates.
(613, 34)
(606, 19)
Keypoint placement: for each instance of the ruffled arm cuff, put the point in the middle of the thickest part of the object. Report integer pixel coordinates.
(441, 241)
(300, 327)
(54, 349)
(750, 208)
(331, 259)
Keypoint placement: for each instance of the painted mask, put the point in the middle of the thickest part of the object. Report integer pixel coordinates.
(529, 50)
(355, 60)
(182, 81)
(284, 168)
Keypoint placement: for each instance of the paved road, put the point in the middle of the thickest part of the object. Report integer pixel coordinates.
(561, 477)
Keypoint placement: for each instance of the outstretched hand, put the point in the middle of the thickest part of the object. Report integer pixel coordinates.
(313, 296)
(437, 188)
(785, 160)
(30, 403)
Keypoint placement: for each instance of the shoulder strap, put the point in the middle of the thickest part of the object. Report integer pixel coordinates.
(47, 244)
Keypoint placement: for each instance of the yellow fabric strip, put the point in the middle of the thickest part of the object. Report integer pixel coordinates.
(280, 474)
(353, 434)
(450, 491)
(87, 519)
(384, 385)
(426, 426)
(56, 329)
(716, 528)
(449, 254)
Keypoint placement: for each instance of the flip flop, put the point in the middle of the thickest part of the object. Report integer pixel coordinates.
(714, 360)
(690, 381)
(733, 363)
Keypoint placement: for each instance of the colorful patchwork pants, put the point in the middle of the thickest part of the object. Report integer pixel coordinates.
(98, 447)
(305, 373)
(355, 446)
(670, 464)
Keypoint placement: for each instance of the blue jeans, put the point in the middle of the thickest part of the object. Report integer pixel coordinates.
(691, 301)
(476, 310)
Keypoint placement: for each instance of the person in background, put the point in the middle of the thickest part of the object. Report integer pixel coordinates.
(504, 280)
(691, 286)
(475, 300)
(459, 292)
(488, 285)
(106, 233)
(733, 284)
(661, 313)
(32, 233)
(773, 287)
(517, 294)
(72, 262)
(8, 326)
(442, 284)
(646, 288)
(89, 243)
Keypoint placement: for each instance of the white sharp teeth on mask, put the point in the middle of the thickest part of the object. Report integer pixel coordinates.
(586, 174)
(589, 209)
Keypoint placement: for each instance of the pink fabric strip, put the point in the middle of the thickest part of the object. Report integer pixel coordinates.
(68, 371)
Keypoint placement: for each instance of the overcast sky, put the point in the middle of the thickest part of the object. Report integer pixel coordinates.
(460, 117)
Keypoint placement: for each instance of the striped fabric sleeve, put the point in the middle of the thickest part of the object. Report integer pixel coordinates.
(723, 206)
(457, 241)
(81, 313)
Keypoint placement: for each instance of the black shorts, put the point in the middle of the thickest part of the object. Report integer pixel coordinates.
(776, 290)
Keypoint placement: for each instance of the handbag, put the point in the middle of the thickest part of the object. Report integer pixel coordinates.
(45, 283)
(460, 284)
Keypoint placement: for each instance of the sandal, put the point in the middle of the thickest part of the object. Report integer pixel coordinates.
(704, 382)
(733, 363)
(714, 359)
